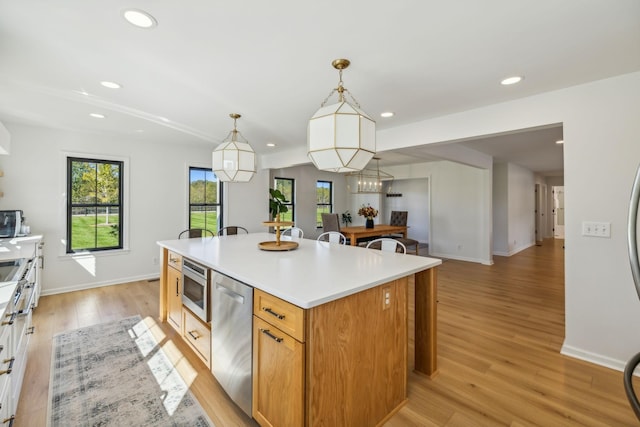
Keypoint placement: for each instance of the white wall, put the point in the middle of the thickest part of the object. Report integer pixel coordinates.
(522, 207)
(601, 154)
(305, 187)
(157, 209)
(500, 209)
(460, 208)
(414, 200)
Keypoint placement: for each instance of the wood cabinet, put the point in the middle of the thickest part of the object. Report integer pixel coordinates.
(339, 363)
(278, 362)
(174, 291)
(198, 335)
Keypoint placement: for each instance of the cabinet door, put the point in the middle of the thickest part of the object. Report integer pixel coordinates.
(278, 377)
(174, 298)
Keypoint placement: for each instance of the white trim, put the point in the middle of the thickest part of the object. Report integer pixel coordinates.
(460, 258)
(513, 251)
(113, 282)
(588, 356)
(62, 209)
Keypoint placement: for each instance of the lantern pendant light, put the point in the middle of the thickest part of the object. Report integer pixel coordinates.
(341, 137)
(234, 160)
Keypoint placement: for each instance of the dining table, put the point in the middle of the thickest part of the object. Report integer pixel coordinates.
(359, 232)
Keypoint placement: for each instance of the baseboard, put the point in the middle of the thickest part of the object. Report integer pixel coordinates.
(459, 258)
(595, 358)
(83, 286)
(513, 251)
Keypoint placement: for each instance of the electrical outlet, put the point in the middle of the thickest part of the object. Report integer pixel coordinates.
(386, 298)
(155, 261)
(596, 229)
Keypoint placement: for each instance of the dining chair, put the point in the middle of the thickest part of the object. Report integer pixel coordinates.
(231, 230)
(400, 218)
(330, 222)
(293, 232)
(387, 245)
(191, 233)
(333, 237)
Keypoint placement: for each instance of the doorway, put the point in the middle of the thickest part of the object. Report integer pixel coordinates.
(558, 212)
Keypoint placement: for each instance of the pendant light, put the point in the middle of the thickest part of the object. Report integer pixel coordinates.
(234, 160)
(341, 137)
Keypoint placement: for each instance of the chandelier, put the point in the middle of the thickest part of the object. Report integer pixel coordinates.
(234, 160)
(341, 137)
(368, 180)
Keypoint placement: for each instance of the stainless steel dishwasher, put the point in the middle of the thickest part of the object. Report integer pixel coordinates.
(231, 337)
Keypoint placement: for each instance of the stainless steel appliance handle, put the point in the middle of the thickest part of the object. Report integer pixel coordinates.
(632, 239)
(228, 292)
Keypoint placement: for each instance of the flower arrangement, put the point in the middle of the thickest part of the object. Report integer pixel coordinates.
(368, 212)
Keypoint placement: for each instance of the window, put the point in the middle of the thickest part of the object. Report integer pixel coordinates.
(205, 199)
(324, 200)
(94, 204)
(286, 187)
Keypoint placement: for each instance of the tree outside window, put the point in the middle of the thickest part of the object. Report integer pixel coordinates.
(324, 200)
(94, 204)
(205, 199)
(287, 188)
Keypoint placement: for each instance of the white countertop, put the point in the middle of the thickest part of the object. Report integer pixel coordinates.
(311, 275)
(19, 247)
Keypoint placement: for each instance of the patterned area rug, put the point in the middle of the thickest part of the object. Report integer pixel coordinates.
(115, 374)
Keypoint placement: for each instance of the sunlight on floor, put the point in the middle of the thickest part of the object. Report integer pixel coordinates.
(172, 371)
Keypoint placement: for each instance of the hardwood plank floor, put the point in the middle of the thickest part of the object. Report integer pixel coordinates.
(500, 329)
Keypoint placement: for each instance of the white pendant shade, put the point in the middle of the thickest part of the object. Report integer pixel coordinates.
(233, 160)
(341, 138)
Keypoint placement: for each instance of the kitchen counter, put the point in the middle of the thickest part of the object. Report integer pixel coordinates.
(329, 325)
(19, 247)
(313, 274)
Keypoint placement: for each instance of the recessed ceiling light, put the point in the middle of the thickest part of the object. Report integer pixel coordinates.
(97, 115)
(270, 144)
(511, 80)
(111, 85)
(387, 114)
(561, 141)
(140, 18)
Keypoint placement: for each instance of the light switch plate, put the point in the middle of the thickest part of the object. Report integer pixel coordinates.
(596, 229)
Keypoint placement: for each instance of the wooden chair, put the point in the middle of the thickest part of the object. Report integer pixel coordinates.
(230, 230)
(192, 233)
(293, 232)
(400, 218)
(333, 237)
(387, 245)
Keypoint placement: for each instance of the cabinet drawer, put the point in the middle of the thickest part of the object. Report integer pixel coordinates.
(281, 314)
(174, 260)
(198, 335)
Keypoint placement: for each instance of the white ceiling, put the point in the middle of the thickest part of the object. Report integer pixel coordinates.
(271, 62)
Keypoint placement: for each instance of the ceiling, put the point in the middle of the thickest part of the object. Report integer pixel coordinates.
(271, 62)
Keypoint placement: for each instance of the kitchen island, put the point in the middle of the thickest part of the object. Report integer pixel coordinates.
(335, 351)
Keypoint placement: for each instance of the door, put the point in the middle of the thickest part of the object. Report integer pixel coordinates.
(558, 212)
(174, 298)
(541, 208)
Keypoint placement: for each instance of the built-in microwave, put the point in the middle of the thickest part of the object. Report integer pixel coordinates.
(11, 223)
(195, 289)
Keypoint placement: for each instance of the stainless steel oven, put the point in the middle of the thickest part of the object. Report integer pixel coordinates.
(195, 289)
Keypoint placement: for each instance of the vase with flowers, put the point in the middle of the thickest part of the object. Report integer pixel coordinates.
(368, 213)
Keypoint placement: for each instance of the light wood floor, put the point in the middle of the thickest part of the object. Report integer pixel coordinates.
(500, 331)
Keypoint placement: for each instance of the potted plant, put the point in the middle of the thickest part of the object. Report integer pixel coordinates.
(277, 203)
(346, 218)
